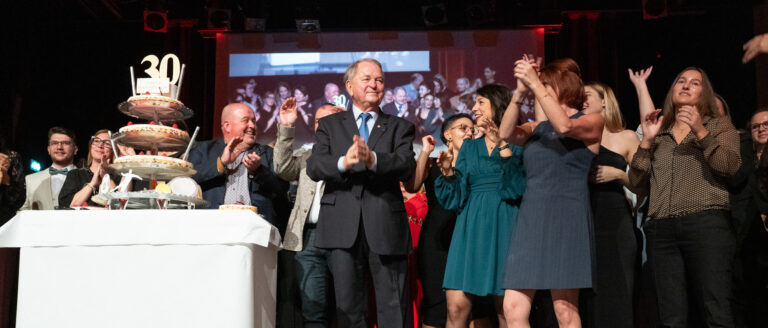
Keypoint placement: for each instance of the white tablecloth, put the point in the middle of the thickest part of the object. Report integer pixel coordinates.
(144, 268)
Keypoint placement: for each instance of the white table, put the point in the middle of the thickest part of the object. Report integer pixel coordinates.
(144, 268)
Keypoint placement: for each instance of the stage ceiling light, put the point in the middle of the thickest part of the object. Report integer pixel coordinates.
(156, 21)
(308, 25)
(219, 19)
(653, 9)
(255, 24)
(434, 15)
(477, 15)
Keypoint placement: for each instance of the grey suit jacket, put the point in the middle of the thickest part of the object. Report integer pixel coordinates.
(39, 194)
(291, 167)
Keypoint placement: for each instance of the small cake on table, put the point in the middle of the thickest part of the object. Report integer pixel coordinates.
(239, 206)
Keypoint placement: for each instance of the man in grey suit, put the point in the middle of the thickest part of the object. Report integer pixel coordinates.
(311, 261)
(43, 187)
(362, 155)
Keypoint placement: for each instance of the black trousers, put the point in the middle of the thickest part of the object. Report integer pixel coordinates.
(691, 258)
(348, 268)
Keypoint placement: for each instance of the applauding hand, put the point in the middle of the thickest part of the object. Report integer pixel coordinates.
(650, 126)
(445, 161)
(5, 164)
(252, 162)
(428, 144)
(536, 64)
(690, 115)
(358, 152)
(527, 72)
(489, 129)
(231, 151)
(288, 112)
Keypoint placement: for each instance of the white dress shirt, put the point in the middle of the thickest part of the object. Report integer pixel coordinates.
(314, 210)
(371, 123)
(57, 181)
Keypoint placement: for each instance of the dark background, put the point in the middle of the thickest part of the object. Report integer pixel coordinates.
(65, 62)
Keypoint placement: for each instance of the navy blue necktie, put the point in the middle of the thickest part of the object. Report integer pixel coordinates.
(364, 126)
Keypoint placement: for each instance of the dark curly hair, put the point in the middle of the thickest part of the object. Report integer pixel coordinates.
(447, 124)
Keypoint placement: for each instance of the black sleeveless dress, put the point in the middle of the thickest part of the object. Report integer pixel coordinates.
(434, 241)
(615, 250)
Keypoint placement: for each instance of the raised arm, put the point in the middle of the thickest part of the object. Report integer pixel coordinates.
(509, 131)
(755, 46)
(287, 166)
(413, 184)
(452, 187)
(640, 165)
(588, 127)
(644, 101)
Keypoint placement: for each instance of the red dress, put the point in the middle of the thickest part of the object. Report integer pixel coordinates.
(416, 208)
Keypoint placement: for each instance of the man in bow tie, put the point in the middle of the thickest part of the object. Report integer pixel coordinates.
(362, 154)
(43, 187)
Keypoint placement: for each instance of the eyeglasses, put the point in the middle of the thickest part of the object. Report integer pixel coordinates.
(464, 128)
(756, 126)
(57, 143)
(99, 142)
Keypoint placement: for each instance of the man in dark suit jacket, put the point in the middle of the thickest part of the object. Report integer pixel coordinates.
(331, 90)
(237, 157)
(362, 216)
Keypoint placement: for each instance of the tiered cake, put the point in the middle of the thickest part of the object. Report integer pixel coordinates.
(159, 152)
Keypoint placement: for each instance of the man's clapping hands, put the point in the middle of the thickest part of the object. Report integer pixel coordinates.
(358, 153)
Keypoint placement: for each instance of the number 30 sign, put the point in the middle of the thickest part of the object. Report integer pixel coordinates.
(162, 72)
(159, 81)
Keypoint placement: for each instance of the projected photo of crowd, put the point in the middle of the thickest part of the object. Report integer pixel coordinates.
(417, 89)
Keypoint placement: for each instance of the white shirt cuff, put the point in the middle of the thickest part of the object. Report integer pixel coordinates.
(340, 165)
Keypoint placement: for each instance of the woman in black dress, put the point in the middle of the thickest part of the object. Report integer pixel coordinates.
(615, 244)
(82, 183)
(437, 229)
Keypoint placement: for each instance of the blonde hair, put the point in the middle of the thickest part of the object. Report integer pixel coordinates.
(90, 144)
(612, 114)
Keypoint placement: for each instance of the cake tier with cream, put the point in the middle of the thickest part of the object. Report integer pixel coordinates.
(150, 159)
(155, 100)
(135, 129)
(254, 209)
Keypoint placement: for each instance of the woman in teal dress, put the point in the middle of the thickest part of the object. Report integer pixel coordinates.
(484, 185)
